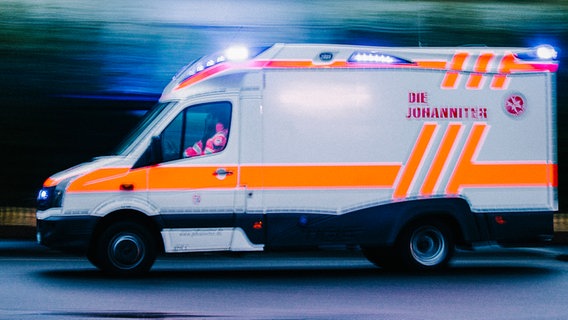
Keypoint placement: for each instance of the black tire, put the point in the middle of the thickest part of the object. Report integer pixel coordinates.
(92, 256)
(125, 248)
(383, 257)
(425, 246)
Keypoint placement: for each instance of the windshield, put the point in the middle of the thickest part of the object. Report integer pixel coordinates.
(140, 130)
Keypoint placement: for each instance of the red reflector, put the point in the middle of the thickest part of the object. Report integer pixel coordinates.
(500, 220)
(257, 225)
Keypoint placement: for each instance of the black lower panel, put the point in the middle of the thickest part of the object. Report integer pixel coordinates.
(376, 226)
(380, 225)
(521, 228)
(67, 233)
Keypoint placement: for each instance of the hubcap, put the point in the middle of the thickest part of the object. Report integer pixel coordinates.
(428, 246)
(126, 251)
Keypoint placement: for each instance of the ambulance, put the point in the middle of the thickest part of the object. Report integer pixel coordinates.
(402, 153)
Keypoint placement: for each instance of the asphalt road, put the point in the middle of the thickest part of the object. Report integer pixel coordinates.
(488, 284)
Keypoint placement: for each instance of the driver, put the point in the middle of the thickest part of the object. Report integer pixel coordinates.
(216, 142)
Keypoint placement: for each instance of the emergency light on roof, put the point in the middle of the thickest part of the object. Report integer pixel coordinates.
(237, 53)
(546, 52)
(375, 57)
(542, 52)
(200, 65)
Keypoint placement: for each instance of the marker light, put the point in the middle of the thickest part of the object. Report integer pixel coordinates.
(500, 220)
(376, 57)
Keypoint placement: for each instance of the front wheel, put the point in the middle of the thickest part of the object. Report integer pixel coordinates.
(126, 248)
(425, 246)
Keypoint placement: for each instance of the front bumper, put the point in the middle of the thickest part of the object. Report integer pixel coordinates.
(71, 234)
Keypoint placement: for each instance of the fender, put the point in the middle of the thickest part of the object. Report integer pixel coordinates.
(121, 202)
(471, 226)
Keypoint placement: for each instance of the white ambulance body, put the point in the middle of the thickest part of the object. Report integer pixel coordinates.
(403, 152)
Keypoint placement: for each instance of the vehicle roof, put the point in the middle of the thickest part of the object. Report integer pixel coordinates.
(479, 59)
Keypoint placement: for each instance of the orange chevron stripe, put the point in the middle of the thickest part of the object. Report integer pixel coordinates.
(451, 78)
(440, 159)
(499, 82)
(481, 67)
(470, 173)
(474, 81)
(482, 63)
(416, 156)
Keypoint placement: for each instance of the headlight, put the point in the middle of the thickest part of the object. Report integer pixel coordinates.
(44, 194)
(51, 197)
(45, 198)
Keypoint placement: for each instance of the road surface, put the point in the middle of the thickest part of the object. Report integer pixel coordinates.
(488, 284)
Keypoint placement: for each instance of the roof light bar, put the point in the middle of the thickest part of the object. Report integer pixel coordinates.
(376, 57)
(546, 52)
(237, 53)
(543, 52)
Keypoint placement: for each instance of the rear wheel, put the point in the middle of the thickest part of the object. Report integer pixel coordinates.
(425, 246)
(125, 248)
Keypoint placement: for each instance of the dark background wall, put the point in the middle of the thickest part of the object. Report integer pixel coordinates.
(75, 76)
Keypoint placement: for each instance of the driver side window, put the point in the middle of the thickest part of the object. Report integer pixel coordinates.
(197, 131)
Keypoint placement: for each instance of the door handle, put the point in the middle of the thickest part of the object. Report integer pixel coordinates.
(127, 187)
(221, 173)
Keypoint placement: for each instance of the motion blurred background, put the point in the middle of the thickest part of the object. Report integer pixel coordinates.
(75, 76)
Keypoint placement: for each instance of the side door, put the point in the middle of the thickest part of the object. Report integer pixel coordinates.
(194, 185)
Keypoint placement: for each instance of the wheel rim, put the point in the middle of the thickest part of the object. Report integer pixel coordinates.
(428, 246)
(126, 251)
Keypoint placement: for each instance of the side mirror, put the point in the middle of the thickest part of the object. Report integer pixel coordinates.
(152, 155)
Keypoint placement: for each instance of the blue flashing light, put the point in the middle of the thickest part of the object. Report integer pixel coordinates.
(546, 52)
(237, 53)
(376, 57)
(543, 52)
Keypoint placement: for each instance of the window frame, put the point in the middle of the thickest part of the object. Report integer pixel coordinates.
(221, 108)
